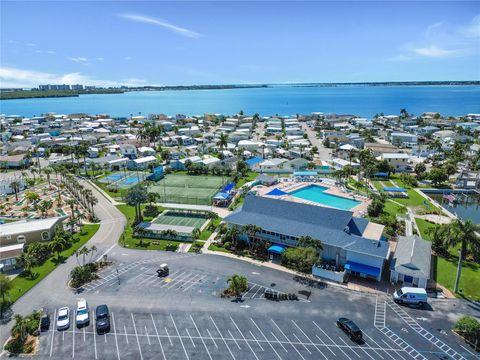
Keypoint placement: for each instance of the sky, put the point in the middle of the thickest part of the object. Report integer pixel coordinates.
(112, 43)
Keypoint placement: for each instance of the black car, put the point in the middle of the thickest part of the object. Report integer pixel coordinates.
(102, 319)
(163, 270)
(44, 320)
(352, 330)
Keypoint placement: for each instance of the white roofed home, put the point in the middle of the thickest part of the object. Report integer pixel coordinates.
(142, 163)
(399, 161)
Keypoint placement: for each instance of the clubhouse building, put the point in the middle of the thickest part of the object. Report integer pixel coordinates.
(348, 241)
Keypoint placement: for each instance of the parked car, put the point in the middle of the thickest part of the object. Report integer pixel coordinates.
(44, 320)
(410, 296)
(163, 270)
(63, 319)
(82, 317)
(102, 319)
(351, 329)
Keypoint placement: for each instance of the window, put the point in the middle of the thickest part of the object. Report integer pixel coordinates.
(45, 235)
(21, 238)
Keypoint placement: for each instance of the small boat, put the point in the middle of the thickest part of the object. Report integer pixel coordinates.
(450, 198)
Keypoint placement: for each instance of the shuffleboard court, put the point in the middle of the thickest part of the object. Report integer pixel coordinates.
(172, 217)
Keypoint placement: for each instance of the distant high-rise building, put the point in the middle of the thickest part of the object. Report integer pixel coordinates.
(54, 87)
(76, 87)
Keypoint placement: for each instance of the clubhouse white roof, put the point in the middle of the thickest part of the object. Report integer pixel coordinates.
(26, 226)
(145, 159)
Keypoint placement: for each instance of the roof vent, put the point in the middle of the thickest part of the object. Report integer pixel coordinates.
(347, 229)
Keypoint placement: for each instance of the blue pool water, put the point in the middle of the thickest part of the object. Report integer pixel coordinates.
(132, 180)
(316, 194)
(115, 177)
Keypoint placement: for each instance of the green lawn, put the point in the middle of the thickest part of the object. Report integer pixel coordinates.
(197, 242)
(213, 247)
(20, 284)
(249, 177)
(127, 239)
(205, 234)
(447, 269)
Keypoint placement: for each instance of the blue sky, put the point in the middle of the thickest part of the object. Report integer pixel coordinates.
(170, 43)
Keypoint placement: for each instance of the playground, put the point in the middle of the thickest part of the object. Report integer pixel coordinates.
(188, 189)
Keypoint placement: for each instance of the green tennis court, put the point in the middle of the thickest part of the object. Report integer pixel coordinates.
(172, 217)
(188, 189)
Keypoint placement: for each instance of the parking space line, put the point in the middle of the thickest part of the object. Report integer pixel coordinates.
(301, 343)
(197, 282)
(73, 337)
(53, 332)
(181, 340)
(288, 340)
(115, 332)
(125, 330)
(397, 351)
(158, 337)
(377, 346)
(246, 341)
(328, 347)
(258, 342)
(233, 338)
(349, 347)
(168, 335)
(311, 342)
(201, 337)
(256, 292)
(211, 338)
(269, 343)
(278, 341)
(148, 336)
(463, 347)
(365, 351)
(175, 280)
(188, 333)
(224, 341)
(63, 336)
(94, 336)
(136, 334)
(329, 338)
(84, 334)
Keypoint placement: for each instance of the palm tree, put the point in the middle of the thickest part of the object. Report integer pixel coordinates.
(48, 171)
(58, 244)
(27, 261)
(251, 230)
(15, 185)
(222, 141)
(196, 233)
(20, 327)
(237, 285)
(307, 241)
(5, 287)
(465, 234)
(84, 251)
(71, 222)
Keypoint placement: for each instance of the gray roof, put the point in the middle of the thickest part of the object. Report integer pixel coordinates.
(412, 257)
(265, 178)
(298, 219)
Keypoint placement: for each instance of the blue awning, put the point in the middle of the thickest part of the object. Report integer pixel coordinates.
(228, 187)
(276, 192)
(381, 174)
(305, 173)
(394, 189)
(362, 269)
(277, 249)
(221, 196)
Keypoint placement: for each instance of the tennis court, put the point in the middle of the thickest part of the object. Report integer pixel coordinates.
(172, 217)
(188, 189)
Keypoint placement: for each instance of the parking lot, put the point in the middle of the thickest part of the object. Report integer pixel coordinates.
(183, 316)
(219, 336)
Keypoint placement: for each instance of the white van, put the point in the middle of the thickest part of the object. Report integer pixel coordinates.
(410, 295)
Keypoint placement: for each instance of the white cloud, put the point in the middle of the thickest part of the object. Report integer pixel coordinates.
(15, 77)
(80, 60)
(99, 59)
(51, 52)
(162, 23)
(436, 52)
(473, 29)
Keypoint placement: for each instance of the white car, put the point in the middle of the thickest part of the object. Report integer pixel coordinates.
(63, 319)
(82, 317)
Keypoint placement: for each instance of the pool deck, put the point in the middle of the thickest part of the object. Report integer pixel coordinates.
(360, 210)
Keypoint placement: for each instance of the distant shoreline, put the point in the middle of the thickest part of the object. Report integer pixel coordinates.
(32, 94)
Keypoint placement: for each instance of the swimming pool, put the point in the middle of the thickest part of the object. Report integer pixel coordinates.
(114, 177)
(128, 181)
(316, 194)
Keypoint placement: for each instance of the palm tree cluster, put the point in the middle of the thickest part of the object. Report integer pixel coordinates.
(83, 195)
(151, 133)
